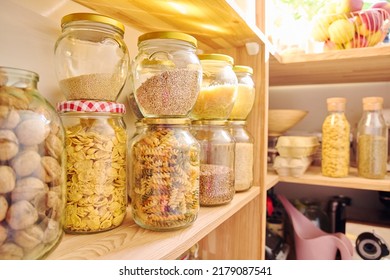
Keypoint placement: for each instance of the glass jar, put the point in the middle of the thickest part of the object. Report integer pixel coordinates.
(96, 143)
(243, 156)
(91, 57)
(245, 93)
(165, 175)
(372, 137)
(166, 74)
(219, 88)
(216, 182)
(335, 140)
(32, 168)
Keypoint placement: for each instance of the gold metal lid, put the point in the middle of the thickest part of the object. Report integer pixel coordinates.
(92, 17)
(168, 35)
(242, 69)
(166, 121)
(216, 56)
(210, 122)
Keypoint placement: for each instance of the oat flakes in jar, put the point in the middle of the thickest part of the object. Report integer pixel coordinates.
(91, 57)
(96, 146)
(165, 175)
(166, 74)
(219, 88)
(32, 168)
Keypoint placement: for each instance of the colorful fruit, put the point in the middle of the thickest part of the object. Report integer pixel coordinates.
(348, 6)
(382, 6)
(341, 31)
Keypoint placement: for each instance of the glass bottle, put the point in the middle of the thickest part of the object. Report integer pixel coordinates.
(32, 168)
(91, 57)
(96, 145)
(165, 175)
(372, 137)
(216, 182)
(243, 156)
(335, 140)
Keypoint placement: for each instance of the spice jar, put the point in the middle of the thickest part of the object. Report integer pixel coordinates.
(335, 140)
(216, 182)
(219, 88)
(372, 137)
(245, 93)
(165, 175)
(243, 156)
(91, 57)
(32, 168)
(166, 74)
(96, 143)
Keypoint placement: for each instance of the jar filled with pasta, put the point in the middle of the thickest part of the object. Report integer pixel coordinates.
(96, 143)
(243, 156)
(219, 88)
(166, 74)
(216, 181)
(165, 175)
(372, 138)
(32, 168)
(335, 140)
(245, 93)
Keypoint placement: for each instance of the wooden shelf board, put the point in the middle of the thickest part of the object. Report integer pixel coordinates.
(271, 180)
(129, 241)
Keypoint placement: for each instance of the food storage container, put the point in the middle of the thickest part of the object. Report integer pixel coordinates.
(91, 57)
(219, 88)
(216, 182)
(96, 145)
(164, 187)
(245, 93)
(32, 168)
(297, 146)
(289, 166)
(166, 74)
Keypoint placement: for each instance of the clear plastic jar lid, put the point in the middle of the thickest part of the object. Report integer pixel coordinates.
(242, 69)
(91, 106)
(94, 18)
(216, 56)
(168, 35)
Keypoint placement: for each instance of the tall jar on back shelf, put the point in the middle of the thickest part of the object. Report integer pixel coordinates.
(372, 136)
(335, 140)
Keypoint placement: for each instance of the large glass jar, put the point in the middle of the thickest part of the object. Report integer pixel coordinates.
(96, 145)
(245, 93)
(335, 140)
(91, 57)
(166, 74)
(243, 156)
(216, 184)
(219, 88)
(372, 137)
(32, 168)
(165, 175)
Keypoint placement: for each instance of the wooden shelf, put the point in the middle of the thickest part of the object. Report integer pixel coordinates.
(339, 66)
(129, 241)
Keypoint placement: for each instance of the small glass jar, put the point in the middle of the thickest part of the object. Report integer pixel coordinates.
(243, 156)
(165, 175)
(32, 168)
(91, 57)
(166, 74)
(96, 143)
(245, 93)
(219, 88)
(372, 137)
(216, 182)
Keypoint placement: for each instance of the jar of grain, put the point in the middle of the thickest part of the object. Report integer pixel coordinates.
(165, 175)
(32, 168)
(243, 156)
(372, 137)
(91, 57)
(245, 93)
(166, 74)
(335, 140)
(216, 182)
(96, 144)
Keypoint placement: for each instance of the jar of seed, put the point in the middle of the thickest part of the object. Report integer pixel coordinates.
(166, 74)
(165, 175)
(91, 57)
(219, 88)
(216, 182)
(96, 143)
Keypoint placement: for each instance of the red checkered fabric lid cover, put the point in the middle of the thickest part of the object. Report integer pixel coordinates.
(91, 106)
